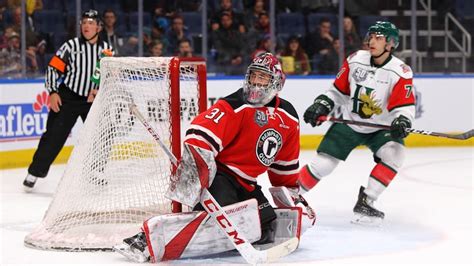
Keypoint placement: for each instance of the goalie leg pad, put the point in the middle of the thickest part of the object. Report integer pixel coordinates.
(290, 222)
(184, 235)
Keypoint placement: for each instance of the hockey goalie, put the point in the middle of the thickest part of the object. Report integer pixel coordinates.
(240, 137)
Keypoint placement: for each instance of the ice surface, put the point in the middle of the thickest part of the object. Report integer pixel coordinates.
(428, 207)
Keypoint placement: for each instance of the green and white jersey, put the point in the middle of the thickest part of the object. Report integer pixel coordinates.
(373, 93)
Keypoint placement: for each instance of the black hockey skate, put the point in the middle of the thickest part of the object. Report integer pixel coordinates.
(134, 248)
(364, 211)
(268, 234)
(29, 183)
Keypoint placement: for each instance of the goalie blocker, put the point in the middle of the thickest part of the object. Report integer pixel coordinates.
(191, 234)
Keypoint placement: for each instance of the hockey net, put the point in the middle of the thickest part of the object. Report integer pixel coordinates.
(117, 174)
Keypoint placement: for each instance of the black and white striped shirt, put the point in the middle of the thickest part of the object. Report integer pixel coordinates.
(73, 65)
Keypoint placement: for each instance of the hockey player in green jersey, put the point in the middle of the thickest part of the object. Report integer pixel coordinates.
(372, 86)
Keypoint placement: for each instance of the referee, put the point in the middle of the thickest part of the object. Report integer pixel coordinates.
(68, 80)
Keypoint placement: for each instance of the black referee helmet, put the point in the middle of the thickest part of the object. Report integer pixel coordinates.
(91, 14)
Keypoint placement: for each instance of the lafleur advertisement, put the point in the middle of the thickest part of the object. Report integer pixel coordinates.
(24, 121)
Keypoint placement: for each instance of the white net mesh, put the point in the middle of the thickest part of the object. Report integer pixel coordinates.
(117, 174)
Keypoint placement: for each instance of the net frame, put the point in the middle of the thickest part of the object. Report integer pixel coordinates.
(39, 237)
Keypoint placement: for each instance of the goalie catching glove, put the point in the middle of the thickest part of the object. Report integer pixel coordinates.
(196, 170)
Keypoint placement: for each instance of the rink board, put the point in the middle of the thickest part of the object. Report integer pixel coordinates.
(23, 112)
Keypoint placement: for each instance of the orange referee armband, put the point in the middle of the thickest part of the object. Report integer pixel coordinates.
(57, 63)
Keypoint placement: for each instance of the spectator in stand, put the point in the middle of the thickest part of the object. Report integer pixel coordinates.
(109, 33)
(10, 58)
(31, 36)
(147, 40)
(251, 16)
(329, 64)
(176, 33)
(230, 46)
(2, 17)
(296, 59)
(41, 59)
(237, 18)
(131, 47)
(10, 62)
(259, 31)
(31, 5)
(31, 61)
(263, 24)
(319, 42)
(263, 46)
(288, 6)
(158, 30)
(352, 41)
(4, 38)
(169, 8)
(311, 6)
(161, 8)
(187, 5)
(156, 49)
(185, 49)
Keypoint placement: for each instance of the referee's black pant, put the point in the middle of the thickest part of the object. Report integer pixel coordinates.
(58, 127)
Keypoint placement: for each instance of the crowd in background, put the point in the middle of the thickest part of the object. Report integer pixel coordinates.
(238, 30)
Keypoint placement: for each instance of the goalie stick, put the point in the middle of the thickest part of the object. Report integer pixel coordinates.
(462, 136)
(213, 208)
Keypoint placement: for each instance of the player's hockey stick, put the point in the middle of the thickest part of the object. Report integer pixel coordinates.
(213, 208)
(462, 136)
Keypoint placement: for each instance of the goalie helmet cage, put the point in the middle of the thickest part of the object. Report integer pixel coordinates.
(117, 174)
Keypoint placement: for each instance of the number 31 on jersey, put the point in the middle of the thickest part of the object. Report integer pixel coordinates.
(215, 115)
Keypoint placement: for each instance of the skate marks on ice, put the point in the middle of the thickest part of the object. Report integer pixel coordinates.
(335, 237)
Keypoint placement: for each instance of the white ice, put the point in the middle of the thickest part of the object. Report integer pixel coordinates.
(428, 207)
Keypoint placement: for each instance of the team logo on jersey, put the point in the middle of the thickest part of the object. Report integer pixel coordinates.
(268, 145)
(360, 74)
(365, 104)
(260, 118)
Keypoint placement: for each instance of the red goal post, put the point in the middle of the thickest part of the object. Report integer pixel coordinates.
(175, 64)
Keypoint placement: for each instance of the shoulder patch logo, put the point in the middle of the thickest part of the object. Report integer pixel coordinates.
(405, 68)
(268, 145)
(360, 74)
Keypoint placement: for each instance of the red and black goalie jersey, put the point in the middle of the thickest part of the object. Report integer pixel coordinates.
(251, 140)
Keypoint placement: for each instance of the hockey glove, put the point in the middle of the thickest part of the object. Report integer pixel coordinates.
(398, 129)
(322, 106)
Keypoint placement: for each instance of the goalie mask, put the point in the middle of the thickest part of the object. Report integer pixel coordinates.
(263, 80)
